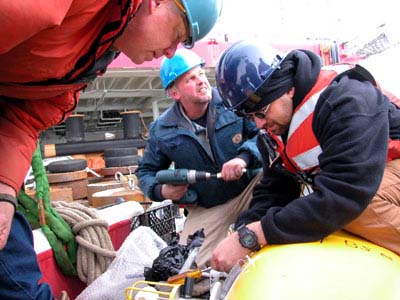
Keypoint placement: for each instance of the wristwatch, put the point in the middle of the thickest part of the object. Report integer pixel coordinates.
(248, 238)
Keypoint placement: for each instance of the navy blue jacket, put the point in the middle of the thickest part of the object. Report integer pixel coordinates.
(171, 140)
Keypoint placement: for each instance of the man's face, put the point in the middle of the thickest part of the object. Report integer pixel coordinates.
(278, 116)
(192, 88)
(153, 33)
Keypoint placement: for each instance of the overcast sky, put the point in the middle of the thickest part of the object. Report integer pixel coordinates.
(299, 19)
(294, 21)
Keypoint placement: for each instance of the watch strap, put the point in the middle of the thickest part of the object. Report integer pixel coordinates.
(8, 198)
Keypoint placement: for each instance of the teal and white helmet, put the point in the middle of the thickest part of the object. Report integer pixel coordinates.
(179, 64)
(202, 15)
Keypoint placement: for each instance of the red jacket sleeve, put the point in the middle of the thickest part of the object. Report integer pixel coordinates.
(21, 19)
(16, 150)
(21, 122)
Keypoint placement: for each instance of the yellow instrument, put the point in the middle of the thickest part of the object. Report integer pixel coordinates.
(339, 267)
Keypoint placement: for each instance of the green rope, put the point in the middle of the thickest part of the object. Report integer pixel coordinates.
(40, 213)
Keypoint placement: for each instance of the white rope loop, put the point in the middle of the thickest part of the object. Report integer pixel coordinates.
(95, 249)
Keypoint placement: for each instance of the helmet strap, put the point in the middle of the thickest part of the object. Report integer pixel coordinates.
(180, 6)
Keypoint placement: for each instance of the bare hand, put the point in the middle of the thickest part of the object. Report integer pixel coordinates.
(6, 216)
(173, 192)
(233, 169)
(228, 252)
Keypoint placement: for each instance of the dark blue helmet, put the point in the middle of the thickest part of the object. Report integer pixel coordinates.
(241, 70)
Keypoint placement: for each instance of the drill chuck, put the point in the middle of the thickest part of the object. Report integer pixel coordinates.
(194, 176)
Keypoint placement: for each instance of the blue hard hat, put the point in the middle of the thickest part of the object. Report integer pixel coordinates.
(241, 70)
(202, 16)
(183, 61)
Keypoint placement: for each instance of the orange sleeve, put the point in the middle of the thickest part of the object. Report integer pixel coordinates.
(21, 19)
(21, 122)
(17, 144)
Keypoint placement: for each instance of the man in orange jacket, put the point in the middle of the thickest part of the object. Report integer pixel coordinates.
(49, 52)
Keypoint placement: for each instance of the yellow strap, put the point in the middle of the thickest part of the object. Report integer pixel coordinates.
(180, 6)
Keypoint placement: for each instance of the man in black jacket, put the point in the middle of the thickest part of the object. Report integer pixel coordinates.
(330, 146)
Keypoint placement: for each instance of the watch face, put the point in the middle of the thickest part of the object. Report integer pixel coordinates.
(248, 240)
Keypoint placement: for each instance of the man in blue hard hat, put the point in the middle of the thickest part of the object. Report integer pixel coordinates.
(49, 52)
(330, 140)
(199, 133)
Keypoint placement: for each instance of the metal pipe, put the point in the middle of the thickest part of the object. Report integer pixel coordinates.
(51, 150)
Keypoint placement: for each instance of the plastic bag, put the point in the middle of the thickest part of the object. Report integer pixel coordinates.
(173, 257)
(138, 251)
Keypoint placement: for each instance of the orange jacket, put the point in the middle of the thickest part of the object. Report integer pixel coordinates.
(302, 147)
(300, 154)
(46, 49)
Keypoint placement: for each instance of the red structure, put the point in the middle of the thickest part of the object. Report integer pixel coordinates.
(329, 51)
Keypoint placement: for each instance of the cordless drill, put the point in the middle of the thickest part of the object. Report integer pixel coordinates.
(183, 177)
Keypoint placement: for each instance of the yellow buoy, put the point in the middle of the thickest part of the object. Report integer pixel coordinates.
(339, 267)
